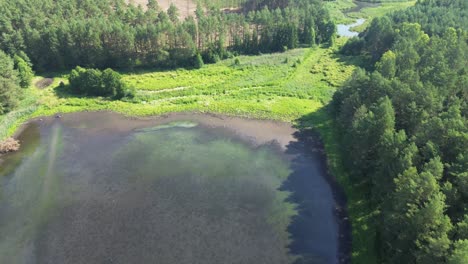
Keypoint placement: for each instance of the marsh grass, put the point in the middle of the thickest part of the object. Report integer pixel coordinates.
(263, 86)
(339, 10)
(384, 8)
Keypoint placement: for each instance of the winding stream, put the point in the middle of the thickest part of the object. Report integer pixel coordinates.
(185, 188)
(345, 30)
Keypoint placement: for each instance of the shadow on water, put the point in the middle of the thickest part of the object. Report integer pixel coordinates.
(306, 184)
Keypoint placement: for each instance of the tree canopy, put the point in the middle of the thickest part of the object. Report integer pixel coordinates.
(405, 122)
(59, 35)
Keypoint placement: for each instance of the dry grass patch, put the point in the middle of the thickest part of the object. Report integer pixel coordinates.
(9, 145)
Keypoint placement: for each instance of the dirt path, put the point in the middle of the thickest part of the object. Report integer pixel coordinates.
(186, 7)
(44, 83)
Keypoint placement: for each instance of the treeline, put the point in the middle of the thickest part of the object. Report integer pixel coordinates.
(405, 123)
(58, 35)
(434, 16)
(15, 72)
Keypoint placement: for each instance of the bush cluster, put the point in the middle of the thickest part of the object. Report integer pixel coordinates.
(93, 82)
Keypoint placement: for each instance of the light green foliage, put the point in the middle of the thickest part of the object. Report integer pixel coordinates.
(347, 11)
(460, 253)
(387, 65)
(265, 86)
(388, 7)
(416, 226)
(25, 72)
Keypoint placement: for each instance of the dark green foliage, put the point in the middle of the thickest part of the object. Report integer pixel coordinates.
(405, 124)
(198, 61)
(58, 35)
(93, 82)
(434, 16)
(9, 84)
(353, 46)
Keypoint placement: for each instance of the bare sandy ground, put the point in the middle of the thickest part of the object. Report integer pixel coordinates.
(186, 7)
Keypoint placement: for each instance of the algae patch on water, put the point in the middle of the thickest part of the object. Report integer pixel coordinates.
(175, 124)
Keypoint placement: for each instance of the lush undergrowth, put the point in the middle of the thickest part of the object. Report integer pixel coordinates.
(384, 8)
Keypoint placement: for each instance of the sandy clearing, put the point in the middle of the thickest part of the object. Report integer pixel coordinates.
(186, 7)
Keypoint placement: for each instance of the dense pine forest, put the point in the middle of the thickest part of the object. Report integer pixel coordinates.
(58, 35)
(405, 121)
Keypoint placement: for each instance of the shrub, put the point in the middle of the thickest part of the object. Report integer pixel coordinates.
(25, 72)
(198, 61)
(93, 82)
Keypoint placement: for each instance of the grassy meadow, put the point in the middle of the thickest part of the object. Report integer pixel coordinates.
(282, 86)
(344, 11)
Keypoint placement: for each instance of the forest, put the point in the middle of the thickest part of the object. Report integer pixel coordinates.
(59, 35)
(404, 118)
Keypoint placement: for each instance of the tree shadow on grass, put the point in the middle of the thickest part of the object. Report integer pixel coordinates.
(65, 92)
(360, 61)
(321, 232)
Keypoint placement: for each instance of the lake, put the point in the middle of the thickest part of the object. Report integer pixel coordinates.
(183, 188)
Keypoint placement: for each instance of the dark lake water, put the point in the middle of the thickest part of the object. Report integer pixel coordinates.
(101, 188)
